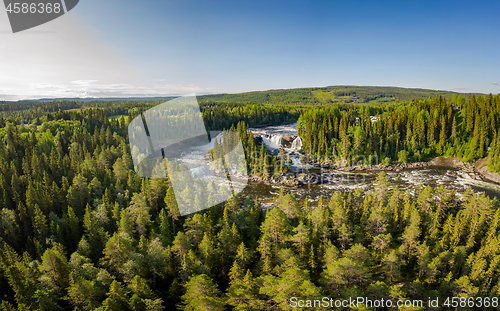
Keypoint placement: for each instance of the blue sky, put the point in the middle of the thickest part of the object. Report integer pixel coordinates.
(188, 46)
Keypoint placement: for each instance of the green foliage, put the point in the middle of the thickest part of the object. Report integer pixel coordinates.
(80, 230)
(202, 294)
(407, 131)
(329, 94)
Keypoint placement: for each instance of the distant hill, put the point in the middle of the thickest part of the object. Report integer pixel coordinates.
(330, 94)
(339, 94)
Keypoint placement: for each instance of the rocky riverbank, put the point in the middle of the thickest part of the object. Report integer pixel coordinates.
(291, 179)
(477, 171)
(482, 167)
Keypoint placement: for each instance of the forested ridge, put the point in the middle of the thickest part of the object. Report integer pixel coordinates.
(408, 131)
(79, 230)
(216, 115)
(338, 94)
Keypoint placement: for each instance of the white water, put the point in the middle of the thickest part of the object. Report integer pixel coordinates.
(297, 144)
(287, 129)
(272, 137)
(273, 142)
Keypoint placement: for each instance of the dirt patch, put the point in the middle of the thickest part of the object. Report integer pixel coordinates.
(482, 163)
(483, 169)
(447, 162)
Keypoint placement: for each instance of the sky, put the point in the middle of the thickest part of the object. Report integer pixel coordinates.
(120, 48)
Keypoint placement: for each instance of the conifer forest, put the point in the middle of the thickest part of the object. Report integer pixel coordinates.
(80, 230)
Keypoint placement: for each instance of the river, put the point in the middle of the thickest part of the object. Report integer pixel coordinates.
(331, 180)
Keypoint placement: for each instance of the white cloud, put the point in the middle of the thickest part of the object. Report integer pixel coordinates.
(494, 83)
(84, 82)
(45, 90)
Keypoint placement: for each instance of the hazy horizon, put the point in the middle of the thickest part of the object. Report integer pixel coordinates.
(123, 49)
(131, 97)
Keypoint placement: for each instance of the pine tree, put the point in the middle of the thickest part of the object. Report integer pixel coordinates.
(244, 294)
(301, 237)
(40, 226)
(201, 294)
(117, 298)
(94, 233)
(293, 282)
(55, 266)
(412, 233)
(156, 259)
(171, 206)
(391, 263)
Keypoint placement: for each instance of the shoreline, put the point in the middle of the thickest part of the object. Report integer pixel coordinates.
(477, 171)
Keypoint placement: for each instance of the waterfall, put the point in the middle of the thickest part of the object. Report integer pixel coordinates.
(297, 144)
(274, 142)
(277, 140)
